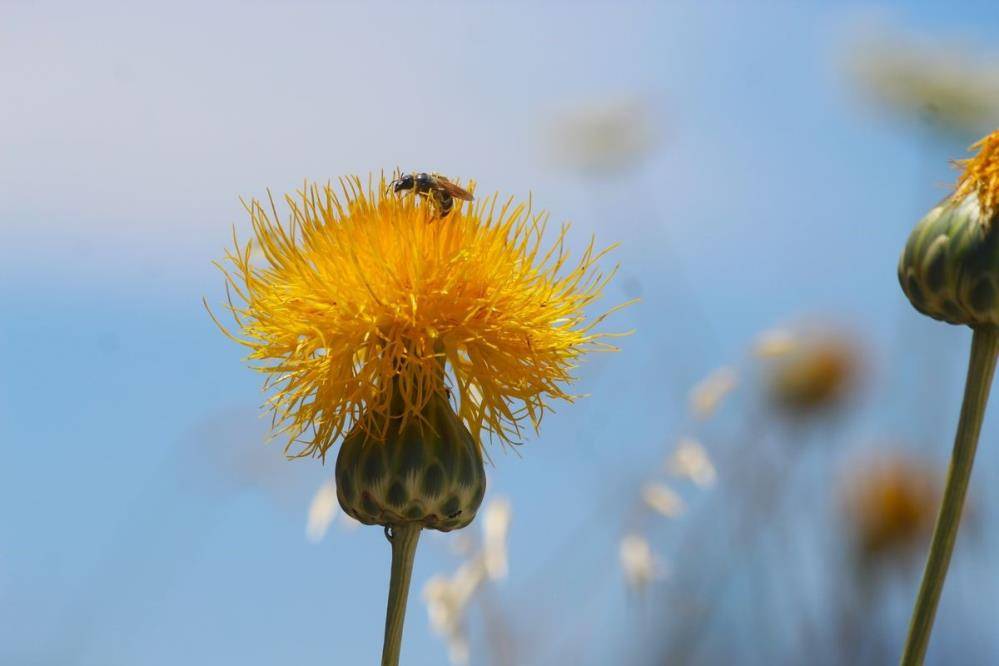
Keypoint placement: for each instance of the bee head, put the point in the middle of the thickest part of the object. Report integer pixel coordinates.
(403, 183)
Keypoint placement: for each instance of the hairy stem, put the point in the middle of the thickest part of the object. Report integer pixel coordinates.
(404, 539)
(984, 347)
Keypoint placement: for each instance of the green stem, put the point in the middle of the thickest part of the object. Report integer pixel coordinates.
(404, 539)
(982, 365)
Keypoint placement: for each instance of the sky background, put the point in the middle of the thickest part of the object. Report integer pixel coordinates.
(142, 518)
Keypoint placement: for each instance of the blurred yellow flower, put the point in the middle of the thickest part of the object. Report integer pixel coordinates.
(890, 504)
(364, 297)
(817, 371)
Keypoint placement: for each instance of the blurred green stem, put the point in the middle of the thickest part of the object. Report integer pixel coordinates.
(984, 347)
(404, 539)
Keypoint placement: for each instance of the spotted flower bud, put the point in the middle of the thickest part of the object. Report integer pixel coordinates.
(426, 470)
(950, 266)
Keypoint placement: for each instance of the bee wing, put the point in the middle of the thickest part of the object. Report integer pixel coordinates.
(454, 190)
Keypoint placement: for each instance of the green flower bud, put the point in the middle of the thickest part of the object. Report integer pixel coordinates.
(950, 266)
(427, 471)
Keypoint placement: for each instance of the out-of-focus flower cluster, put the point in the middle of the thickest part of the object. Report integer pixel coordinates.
(688, 460)
(952, 84)
(448, 597)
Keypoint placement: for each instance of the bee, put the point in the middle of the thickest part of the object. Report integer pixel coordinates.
(439, 190)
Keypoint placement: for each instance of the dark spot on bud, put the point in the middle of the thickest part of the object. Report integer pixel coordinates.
(936, 269)
(467, 473)
(374, 466)
(414, 512)
(983, 295)
(433, 481)
(411, 458)
(396, 494)
(346, 486)
(452, 507)
(369, 505)
(448, 455)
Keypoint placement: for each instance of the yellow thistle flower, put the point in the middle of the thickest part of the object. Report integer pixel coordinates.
(980, 175)
(363, 299)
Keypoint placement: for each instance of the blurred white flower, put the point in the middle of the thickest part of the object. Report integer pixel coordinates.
(640, 565)
(447, 600)
(773, 343)
(663, 499)
(954, 84)
(604, 137)
(710, 391)
(691, 461)
(322, 511)
(495, 526)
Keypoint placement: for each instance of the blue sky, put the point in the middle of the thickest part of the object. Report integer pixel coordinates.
(142, 521)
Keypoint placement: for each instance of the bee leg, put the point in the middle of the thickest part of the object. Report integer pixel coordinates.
(445, 203)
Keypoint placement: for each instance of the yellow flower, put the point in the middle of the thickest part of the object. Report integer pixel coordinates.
(366, 301)
(980, 175)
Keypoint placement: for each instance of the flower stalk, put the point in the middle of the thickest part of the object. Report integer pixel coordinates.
(404, 539)
(981, 367)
